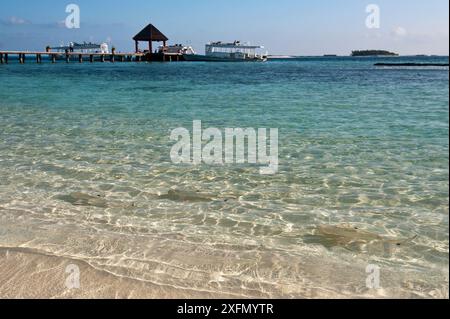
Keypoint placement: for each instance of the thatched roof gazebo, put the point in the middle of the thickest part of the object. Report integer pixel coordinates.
(150, 34)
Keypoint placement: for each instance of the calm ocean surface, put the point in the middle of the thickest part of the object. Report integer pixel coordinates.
(85, 173)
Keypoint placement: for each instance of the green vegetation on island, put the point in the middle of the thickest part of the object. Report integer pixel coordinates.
(372, 53)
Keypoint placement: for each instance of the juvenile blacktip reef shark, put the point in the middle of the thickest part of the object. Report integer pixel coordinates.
(353, 238)
(189, 196)
(82, 199)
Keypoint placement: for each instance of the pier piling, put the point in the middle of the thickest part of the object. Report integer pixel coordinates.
(2, 60)
(113, 58)
(67, 58)
(91, 58)
(6, 58)
(80, 58)
(53, 57)
(102, 58)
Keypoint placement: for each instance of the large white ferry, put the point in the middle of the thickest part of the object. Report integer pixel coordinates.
(229, 52)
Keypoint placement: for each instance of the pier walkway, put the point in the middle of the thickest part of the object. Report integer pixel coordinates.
(39, 57)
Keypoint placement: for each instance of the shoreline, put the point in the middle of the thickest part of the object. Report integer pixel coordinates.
(32, 274)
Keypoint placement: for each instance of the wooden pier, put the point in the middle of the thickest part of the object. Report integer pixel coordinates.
(53, 57)
(38, 57)
(149, 34)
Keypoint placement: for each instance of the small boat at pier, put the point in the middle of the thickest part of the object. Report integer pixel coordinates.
(229, 52)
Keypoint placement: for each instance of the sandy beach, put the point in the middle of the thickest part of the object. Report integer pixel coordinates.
(32, 275)
(119, 266)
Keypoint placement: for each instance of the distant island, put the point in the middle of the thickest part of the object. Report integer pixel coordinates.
(372, 53)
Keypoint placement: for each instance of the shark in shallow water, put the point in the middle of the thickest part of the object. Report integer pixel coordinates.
(355, 239)
(81, 199)
(186, 196)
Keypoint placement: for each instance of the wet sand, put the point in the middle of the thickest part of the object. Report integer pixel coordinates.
(118, 265)
(31, 275)
(28, 274)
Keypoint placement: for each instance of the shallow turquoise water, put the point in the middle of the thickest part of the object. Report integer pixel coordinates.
(360, 147)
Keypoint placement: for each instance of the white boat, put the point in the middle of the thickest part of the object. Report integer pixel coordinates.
(83, 48)
(229, 52)
(176, 49)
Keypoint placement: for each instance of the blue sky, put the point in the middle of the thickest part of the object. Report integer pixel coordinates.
(299, 27)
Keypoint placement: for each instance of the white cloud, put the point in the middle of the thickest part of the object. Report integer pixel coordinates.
(16, 21)
(400, 32)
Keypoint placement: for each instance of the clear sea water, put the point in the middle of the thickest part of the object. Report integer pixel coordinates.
(363, 179)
